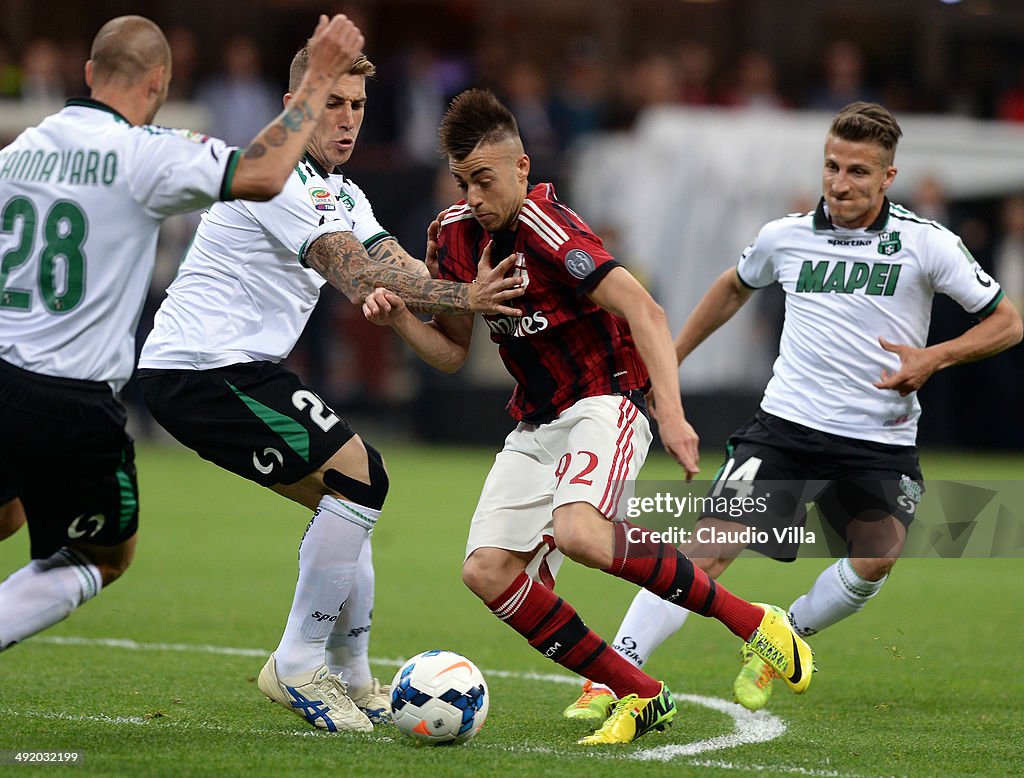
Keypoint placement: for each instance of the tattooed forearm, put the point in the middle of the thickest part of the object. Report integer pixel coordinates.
(390, 252)
(290, 121)
(423, 294)
(341, 259)
(297, 114)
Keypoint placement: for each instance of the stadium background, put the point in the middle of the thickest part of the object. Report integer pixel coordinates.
(675, 127)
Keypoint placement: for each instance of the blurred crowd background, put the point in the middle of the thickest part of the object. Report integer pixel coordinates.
(593, 83)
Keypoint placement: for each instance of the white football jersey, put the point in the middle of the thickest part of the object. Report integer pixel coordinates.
(243, 293)
(82, 196)
(845, 289)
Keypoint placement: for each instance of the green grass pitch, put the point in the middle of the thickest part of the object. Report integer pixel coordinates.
(157, 675)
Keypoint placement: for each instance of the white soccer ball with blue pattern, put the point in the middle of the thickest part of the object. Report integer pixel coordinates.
(439, 698)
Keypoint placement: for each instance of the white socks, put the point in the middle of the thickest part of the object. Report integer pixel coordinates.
(648, 623)
(839, 592)
(348, 645)
(328, 556)
(44, 592)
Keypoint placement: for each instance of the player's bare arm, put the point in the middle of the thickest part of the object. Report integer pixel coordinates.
(620, 293)
(442, 343)
(341, 259)
(719, 304)
(390, 252)
(270, 158)
(993, 334)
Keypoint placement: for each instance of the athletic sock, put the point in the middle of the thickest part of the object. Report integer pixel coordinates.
(44, 592)
(554, 628)
(328, 554)
(663, 570)
(648, 623)
(348, 645)
(837, 593)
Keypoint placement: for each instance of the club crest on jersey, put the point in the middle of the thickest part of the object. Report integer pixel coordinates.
(322, 199)
(579, 263)
(889, 243)
(347, 201)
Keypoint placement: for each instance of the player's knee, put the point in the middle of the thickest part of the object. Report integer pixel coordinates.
(711, 557)
(574, 544)
(12, 517)
(111, 561)
(373, 494)
(577, 534)
(566, 537)
(475, 575)
(873, 568)
(488, 572)
(712, 563)
(111, 571)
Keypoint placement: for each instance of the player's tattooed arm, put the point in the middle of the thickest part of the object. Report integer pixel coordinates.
(275, 134)
(390, 252)
(343, 261)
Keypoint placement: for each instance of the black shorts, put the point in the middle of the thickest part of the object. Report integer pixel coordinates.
(256, 419)
(68, 458)
(782, 466)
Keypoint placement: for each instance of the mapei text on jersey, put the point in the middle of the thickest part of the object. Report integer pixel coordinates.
(878, 278)
(72, 166)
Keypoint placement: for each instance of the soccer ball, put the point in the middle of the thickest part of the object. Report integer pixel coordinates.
(440, 698)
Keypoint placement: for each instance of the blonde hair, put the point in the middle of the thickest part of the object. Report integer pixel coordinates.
(300, 64)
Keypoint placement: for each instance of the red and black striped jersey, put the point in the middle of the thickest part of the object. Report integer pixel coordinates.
(565, 347)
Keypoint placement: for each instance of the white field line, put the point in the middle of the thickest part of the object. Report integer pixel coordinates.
(748, 727)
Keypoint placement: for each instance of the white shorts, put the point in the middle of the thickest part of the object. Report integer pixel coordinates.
(591, 453)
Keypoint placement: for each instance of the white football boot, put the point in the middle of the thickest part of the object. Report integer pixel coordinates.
(374, 700)
(320, 698)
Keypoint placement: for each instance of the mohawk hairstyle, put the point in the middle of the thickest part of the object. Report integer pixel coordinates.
(475, 116)
(867, 122)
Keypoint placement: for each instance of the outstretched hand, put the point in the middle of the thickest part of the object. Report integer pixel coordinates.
(490, 290)
(916, 367)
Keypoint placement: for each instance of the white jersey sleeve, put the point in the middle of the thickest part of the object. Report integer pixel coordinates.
(953, 271)
(177, 171)
(756, 267)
